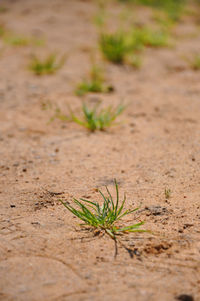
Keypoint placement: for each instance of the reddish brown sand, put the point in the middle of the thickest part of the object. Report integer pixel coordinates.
(44, 254)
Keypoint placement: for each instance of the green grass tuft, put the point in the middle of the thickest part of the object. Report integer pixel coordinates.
(15, 40)
(95, 84)
(114, 47)
(172, 8)
(104, 217)
(168, 193)
(3, 9)
(94, 119)
(47, 66)
(195, 62)
(2, 30)
(135, 61)
(146, 37)
(89, 86)
(118, 47)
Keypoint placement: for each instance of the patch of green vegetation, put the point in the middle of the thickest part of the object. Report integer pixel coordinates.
(99, 18)
(163, 21)
(146, 37)
(89, 86)
(15, 40)
(95, 84)
(47, 66)
(3, 9)
(195, 62)
(118, 47)
(59, 115)
(37, 41)
(2, 30)
(135, 61)
(94, 119)
(173, 8)
(168, 193)
(157, 39)
(114, 46)
(104, 217)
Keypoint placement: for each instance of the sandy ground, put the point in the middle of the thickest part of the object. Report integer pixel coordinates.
(44, 254)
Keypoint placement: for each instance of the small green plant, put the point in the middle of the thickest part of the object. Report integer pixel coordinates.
(172, 8)
(163, 20)
(2, 30)
(95, 84)
(114, 47)
(94, 119)
(105, 217)
(156, 39)
(99, 18)
(195, 63)
(58, 115)
(89, 86)
(47, 66)
(120, 46)
(3, 9)
(146, 37)
(135, 61)
(16, 40)
(168, 193)
(13, 39)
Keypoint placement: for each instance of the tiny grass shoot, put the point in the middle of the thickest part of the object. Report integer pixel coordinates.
(95, 84)
(146, 37)
(135, 61)
(114, 47)
(172, 8)
(94, 119)
(2, 30)
(49, 65)
(15, 40)
(59, 115)
(3, 9)
(195, 62)
(168, 193)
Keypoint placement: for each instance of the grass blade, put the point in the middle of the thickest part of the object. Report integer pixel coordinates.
(129, 228)
(122, 206)
(127, 212)
(117, 194)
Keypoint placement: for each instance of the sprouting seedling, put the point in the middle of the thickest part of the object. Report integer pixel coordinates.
(59, 115)
(168, 193)
(47, 66)
(135, 61)
(13, 39)
(105, 217)
(16, 40)
(2, 30)
(99, 18)
(95, 84)
(3, 9)
(195, 62)
(146, 37)
(118, 47)
(172, 8)
(156, 38)
(114, 47)
(94, 119)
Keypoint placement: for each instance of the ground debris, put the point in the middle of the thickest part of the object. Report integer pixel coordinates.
(156, 210)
